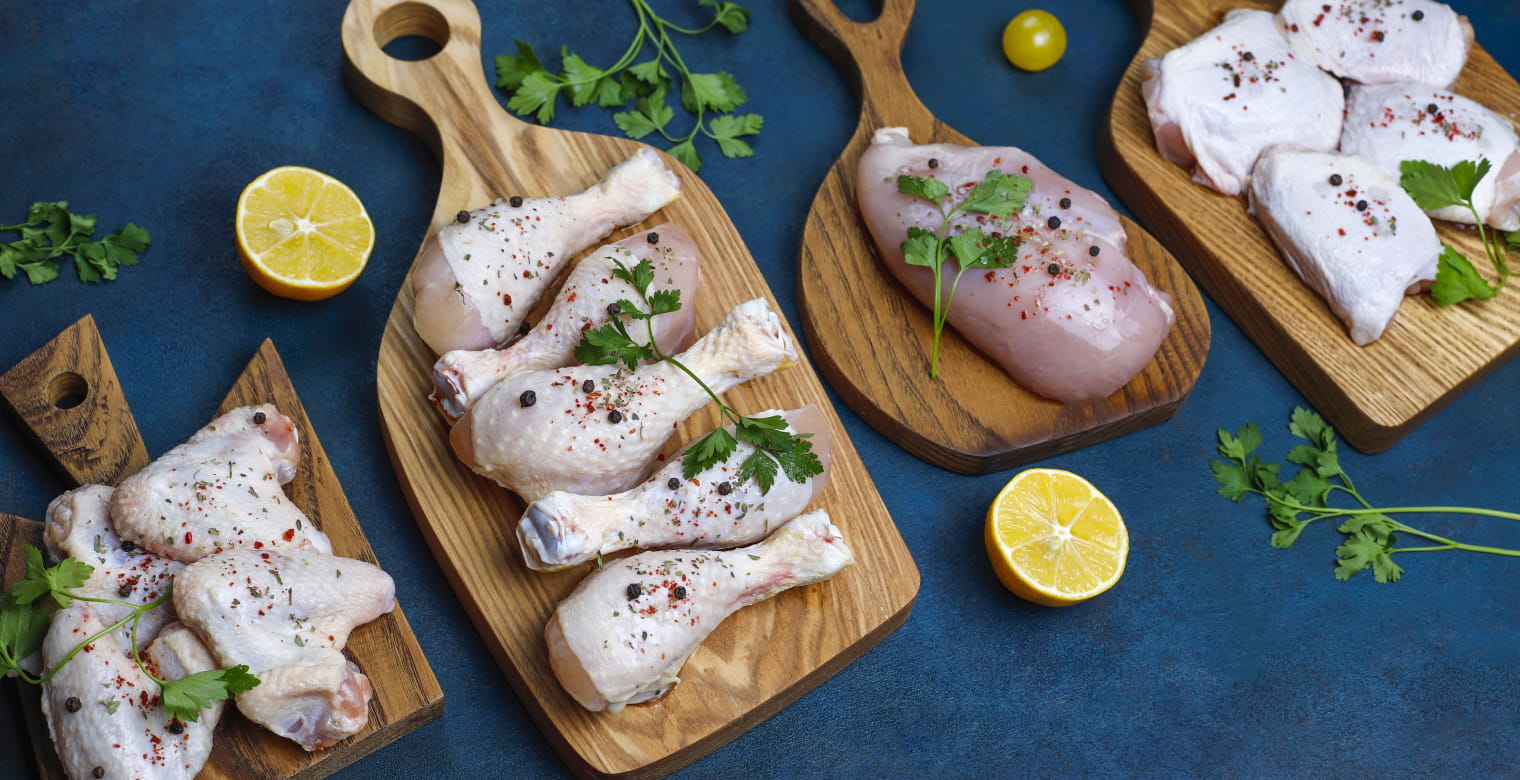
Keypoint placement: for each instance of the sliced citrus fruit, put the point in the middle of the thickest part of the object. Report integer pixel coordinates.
(302, 234)
(1054, 539)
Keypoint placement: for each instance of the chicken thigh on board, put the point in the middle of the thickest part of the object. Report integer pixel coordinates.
(598, 429)
(462, 376)
(625, 632)
(479, 276)
(1379, 41)
(219, 490)
(713, 509)
(287, 615)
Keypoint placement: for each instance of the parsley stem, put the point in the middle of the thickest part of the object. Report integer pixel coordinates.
(1460, 546)
(137, 611)
(654, 345)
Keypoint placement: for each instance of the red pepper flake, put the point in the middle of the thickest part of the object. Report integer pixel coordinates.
(189, 539)
(289, 535)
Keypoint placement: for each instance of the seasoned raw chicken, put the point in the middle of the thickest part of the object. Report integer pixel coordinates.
(598, 429)
(101, 709)
(1390, 123)
(623, 635)
(478, 278)
(1348, 230)
(287, 615)
(713, 509)
(1073, 319)
(462, 376)
(1379, 41)
(1217, 101)
(219, 490)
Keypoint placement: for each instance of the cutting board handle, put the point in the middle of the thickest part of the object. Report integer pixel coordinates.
(869, 53)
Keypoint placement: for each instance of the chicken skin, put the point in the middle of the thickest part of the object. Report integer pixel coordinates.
(1380, 41)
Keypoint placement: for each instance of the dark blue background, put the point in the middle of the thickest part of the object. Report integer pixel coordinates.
(1216, 654)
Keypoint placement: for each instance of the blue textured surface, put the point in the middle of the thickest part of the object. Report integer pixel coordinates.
(1215, 656)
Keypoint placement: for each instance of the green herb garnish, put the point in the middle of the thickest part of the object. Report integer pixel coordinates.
(645, 84)
(52, 231)
(1437, 187)
(1292, 504)
(776, 449)
(998, 194)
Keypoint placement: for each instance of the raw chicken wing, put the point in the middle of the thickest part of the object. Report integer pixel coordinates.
(287, 614)
(623, 635)
(1390, 123)
(1073, 319)
(476, 279)
(1380, 41)
(1216, 102)
(713, 509)
(462, 376)
(1348, 230)
(597, 429)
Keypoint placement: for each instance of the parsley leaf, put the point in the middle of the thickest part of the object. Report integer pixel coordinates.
(1437, 187)
(186, 697)
(22, 629)
(1457, 280)
(43, 580)
(52, 231)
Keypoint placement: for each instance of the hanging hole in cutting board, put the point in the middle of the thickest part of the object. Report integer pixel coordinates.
(862, 11)
(68, 390)
(412, 32)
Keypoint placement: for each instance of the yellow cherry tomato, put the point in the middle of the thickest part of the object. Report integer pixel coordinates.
(1034, 40)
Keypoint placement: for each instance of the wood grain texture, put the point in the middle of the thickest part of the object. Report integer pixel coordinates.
(1373, 395)
(740, 675)
(872, 339)
(407, 694)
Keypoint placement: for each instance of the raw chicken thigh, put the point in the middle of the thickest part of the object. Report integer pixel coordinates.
(598, 429)
(462, 376)
(219, 490)
(287, 614)
(1216, 102)
(1380, 41)
(1348, 230)
(478, 277)
(713, 509)
(1073, 319)
(1390, 123)
(623, 635)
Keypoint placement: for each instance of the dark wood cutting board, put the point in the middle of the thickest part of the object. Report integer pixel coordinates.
(68, 396)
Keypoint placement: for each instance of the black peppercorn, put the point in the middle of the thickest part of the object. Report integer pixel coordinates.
(175, 727)
(1093, 250)
(614, 309)
(1417, 15)
(933, 162)
(679, 592)
(635, 590)
(98, 772)
(125, 590)
(128, 547)
(259, 418)
(614, 417)
(528, 398)
(1335, 180)
(516, 201)
(1377, 35)
(73, 704)
(653, 238)
(462, 217)
(587, 386)
(1432, 109)
(1054, 269)
(522, 330)
(1053, 222)
(1248, 56)
(1065, 203)
(673, 483)
(724, 488)
(1361, 205)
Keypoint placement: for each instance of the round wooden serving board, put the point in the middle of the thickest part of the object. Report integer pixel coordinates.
(742, 673)
(872, 339)
(1373, 395)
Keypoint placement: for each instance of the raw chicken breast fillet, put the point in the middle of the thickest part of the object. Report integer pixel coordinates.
(1064, 322)
(713, 509)
(1380, 41)
(1348, 230)
(1219, 100)
(1390, 123)
(462, 376)
(478, 278)
(623, 635)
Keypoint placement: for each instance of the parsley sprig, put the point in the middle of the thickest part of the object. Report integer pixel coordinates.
(997, 194)
(645, 84)
(52, 231)
(27, 610)
(1294, 503)
(776, 449)
(1437, 187)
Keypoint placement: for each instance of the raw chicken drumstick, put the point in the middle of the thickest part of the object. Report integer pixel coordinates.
(598, 429)
(625, 632)
(479, 276)
(713, 509)
(462, 376)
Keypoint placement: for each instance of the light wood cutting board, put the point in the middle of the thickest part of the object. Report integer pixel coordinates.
(68, 396)
(763, 657)
(872, 339)
(1373, 395)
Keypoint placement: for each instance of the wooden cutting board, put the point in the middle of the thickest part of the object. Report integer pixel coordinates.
(68, 396)
(742, 673)
(872, 339)
(1373, 395)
